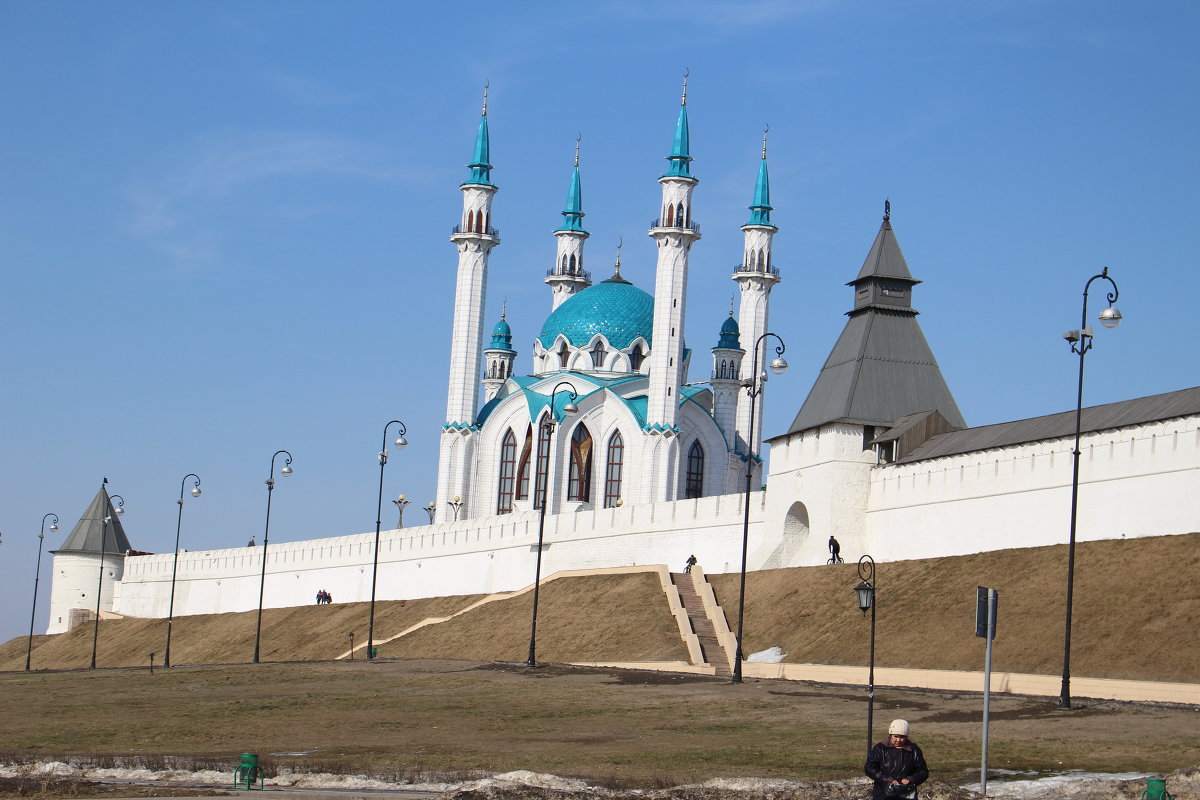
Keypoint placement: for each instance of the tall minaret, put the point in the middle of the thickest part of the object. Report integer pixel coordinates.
(756, 276)
(568, 276)
(499, 357)
(726, 376)
(674, 231)
(474, 237)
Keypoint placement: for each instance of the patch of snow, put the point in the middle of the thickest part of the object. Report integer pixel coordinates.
(772, 655)
(1065, 784)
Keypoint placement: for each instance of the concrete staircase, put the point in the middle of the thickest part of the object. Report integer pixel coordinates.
(714, 654)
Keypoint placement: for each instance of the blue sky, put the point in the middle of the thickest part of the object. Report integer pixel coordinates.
(223, 226)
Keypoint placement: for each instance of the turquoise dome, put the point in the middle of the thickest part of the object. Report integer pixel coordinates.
(501, 336)
(730, 335)
(615, 309)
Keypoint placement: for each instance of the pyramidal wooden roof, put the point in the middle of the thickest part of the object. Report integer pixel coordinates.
(881, 367)
(88, 532)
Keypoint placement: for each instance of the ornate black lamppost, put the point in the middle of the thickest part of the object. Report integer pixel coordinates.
(865, 591)
(400, 443)
(285, 472)
(546, 430)
(754, 387)
(431, 510)
(36, 576)
(456, 506)
(118, 508)
(175, 563)
(401, 502)
(1081, 342)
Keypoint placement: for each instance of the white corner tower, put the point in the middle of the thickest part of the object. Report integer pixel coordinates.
(474, 237)
(568, 276)
(756, 276)
(674, 231)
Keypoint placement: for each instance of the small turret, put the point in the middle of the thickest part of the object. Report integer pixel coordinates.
(726, 376)
(568, 276)
(499, 357)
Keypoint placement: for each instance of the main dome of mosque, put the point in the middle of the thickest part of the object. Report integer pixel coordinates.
(615, 309)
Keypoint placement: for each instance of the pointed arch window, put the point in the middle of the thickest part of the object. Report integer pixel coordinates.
(564, 356)
(598, 354)
(573, 267)
(612, 474)
(523, 466)
(669, 216)
(636, 358)
(543, 465)
(694, 485)
(508, 469)
(579, 481)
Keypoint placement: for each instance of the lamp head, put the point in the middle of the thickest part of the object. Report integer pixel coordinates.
(778, 365)
(457, 499)
(866, 594)
(286, 472)
(196, 492)
(1110, 317)
(401, 443)
(570, 408)
(401, 498)
(119, 510)
(53, 527)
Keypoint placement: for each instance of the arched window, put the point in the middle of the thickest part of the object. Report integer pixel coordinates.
(636, 358)
(523, 466)
(573, 270)
(694, 486)
(579, 484)
(669, 216)
(508, 469)
(564, 355)
(598, 353)
(612, 475)
(543, 465)
(679, 216)
(564, 262)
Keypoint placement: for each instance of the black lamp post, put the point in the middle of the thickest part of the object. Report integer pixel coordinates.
(175, 563)
(546, 430)
(754, 387)
(36, 576)
(431, 510)
(400, 443)
(456, 506)
(285, 472)
(1081, 342)
(401, 502)
(865, 591)
(118, 509)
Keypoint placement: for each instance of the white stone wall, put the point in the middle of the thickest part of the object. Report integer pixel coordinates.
(485, 555)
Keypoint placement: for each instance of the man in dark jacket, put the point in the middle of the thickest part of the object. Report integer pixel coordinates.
(896, 761)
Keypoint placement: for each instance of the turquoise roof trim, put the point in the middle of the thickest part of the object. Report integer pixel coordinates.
(574, 208)
(760, 210)
(614, 309)
(480, 168)
(680, 157)
(502, 337)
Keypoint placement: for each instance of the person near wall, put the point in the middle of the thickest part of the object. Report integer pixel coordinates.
(691, 562)
(896, 765)
(835, 550)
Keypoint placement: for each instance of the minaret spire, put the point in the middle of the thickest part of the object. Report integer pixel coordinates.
(474, 237)
(755, 277)
(674, 231)
(568, 276)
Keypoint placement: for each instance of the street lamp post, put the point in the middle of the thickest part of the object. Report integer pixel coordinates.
(456, 506)
(401, 502)
(400, 443)
(431, 510)
(175, 563)
(754, 387)
(546, 430)
(118, 509)
(286, 471)
(865, 591)
(36, 576)
(1081, 341)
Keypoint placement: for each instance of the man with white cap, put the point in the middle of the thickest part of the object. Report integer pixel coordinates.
(896, 765)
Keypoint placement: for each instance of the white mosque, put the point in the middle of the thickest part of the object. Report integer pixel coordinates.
(622, 462)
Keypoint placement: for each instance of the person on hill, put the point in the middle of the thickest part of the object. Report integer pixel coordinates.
(896, 765)
(835, 551)
(320, 596)
(691, 562)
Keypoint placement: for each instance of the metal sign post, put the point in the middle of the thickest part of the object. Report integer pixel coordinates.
(985, 627)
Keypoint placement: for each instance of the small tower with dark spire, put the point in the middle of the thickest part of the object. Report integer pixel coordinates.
(755, 276)
(568, 276)
(474, 237)
(499, 357)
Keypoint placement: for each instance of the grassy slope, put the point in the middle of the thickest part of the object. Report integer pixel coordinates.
(1136, 609)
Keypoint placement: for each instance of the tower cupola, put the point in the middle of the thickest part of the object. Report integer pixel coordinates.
(568, 276)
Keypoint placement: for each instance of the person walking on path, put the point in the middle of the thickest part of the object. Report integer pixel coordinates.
(896, 765)
(835, 551)
(691, 562)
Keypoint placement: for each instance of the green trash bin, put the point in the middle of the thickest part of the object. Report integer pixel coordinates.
(374, 652)
(1156, 789)
(248, 774)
